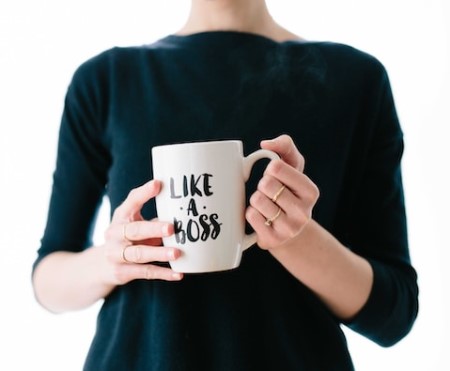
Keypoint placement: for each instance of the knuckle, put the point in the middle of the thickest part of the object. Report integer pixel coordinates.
(301, 161)
(119, 273)
(316, 191)
(275, 166)
(256, 198)
(312, 195)
(259, 196)
(133, 193)
(288, 143)
(252, 215)
(133, 230)
(137, 253)
(286, 139)
(264, 184)
(150, 272)
(249, 213)
(308, 197)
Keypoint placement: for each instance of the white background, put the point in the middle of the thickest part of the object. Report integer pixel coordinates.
(41, 44)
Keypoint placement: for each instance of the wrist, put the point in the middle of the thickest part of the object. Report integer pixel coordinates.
(98, 267)
(298, 242)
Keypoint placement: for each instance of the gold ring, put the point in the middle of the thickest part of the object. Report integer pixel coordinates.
(269, 221)
(280, 191)
(123, 254)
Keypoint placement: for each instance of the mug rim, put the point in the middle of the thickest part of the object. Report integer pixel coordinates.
(199, 143)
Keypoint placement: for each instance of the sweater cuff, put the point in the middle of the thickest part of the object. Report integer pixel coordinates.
(382, 317)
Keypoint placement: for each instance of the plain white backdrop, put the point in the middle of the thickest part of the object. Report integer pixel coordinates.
(42, 43)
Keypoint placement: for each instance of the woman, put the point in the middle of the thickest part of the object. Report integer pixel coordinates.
(342, 258)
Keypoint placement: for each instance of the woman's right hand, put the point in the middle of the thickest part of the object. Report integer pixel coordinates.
(132, 244)
(66, 280)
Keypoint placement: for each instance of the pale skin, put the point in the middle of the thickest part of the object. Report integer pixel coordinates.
(65, 281)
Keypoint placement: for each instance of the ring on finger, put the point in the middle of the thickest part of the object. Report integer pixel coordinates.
(269, 221)
(279, 192)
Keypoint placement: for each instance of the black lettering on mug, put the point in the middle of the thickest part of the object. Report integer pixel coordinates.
(192, 208)
(192, 231)
(206, 185)
(205, 225)
(216, 226)
(191, 186)
(172, 189)
(180, 235)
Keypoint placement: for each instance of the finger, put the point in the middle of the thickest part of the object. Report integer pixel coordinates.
(138, 231)
(156, 241)
(263, 204)
(286, 148)
(136, 200)
(288, 201)
(272, 188)
(267, 237)
(283, 223)
(128, 272)
(141, 254)
(143, 230)
(297, 182)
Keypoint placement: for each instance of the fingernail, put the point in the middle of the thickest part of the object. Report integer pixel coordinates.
(171, 254)
(166, 230)
(176, 276)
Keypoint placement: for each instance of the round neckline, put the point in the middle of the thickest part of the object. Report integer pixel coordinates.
(230, 33)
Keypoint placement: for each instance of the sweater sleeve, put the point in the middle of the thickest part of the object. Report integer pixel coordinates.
(378, 230)
(82, 162)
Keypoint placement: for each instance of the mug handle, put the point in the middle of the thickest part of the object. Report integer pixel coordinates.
(249, 161)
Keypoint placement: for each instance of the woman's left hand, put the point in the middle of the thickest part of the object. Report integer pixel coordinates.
(282, 204)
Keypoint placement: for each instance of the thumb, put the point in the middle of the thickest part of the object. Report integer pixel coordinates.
(284, 145)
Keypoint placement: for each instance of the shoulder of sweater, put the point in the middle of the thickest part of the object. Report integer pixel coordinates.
(344, 64)
(345, 51)
(350, 57)
(99, 64)
(101, 60)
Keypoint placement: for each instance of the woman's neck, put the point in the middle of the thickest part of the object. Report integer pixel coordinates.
(234, 15)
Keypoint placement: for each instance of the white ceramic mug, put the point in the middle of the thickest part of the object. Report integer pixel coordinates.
(203, 195)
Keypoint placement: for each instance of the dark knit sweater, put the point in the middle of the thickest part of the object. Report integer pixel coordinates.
(334, 100)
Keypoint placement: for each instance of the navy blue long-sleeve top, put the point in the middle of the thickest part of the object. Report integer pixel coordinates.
(336, 103)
